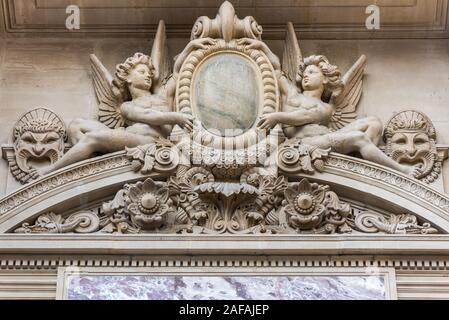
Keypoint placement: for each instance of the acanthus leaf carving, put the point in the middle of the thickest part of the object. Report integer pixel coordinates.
(226, 25)
(80, 222)
(183, 189)
(371, 222)
(196, 203)
(159, 156)
(296, 157)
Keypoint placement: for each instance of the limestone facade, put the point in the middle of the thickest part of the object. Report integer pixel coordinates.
(377, 216)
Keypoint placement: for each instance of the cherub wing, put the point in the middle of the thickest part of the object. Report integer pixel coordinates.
(160, 58)
(346, 100)
(292, 57)
(108, 96)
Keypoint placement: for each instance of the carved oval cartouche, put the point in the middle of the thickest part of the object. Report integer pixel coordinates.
(227, 94)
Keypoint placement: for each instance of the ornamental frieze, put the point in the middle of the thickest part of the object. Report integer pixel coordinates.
(198, 205)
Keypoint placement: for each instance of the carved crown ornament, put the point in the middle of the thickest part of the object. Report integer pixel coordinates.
(230, 140)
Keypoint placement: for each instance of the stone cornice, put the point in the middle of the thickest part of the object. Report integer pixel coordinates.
(436, 245)
(317, 19)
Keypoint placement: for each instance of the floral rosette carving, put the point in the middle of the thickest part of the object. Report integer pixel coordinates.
(194, 202)
(314, 207)
(145, 203)
(294, 157)
(305, 205)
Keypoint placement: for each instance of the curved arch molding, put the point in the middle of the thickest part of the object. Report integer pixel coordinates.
(101, 177)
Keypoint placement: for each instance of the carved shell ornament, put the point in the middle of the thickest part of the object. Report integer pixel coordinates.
(226, 25)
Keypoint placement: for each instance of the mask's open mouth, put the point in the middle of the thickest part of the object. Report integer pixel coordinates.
(28, 161)
(424, 161)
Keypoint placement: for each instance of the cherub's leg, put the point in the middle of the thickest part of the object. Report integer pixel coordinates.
(371, 126)
(357, 141)
(105, 141)
(79, 127)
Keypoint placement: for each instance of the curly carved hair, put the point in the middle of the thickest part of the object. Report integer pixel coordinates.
(330, 71)
(409, 120)
(124, 69)
(39, 120)
(39, 126)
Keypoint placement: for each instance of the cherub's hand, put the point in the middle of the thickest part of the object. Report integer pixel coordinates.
(250, 43)
(268, 121)
(185, 121)
(202, 43)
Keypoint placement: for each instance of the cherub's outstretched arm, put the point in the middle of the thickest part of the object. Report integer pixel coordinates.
(259, 45)
(297, 118)
(155, 118)
(193, 45)
(285, 86)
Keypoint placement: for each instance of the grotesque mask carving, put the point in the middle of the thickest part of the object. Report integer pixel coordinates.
(39, 137)
(411, 140)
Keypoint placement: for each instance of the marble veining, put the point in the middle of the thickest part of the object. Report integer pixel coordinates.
(227, 104)
(143, 287)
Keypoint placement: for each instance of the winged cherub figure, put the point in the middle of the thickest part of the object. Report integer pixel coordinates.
(135, 106)
(321, 109)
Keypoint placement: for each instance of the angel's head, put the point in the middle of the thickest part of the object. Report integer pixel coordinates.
(136, 72)
(317, 73)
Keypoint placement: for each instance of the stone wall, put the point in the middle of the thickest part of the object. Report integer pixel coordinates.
(55, 73)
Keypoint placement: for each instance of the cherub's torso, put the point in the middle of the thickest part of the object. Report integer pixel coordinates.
(154, 102)
(299, 101)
